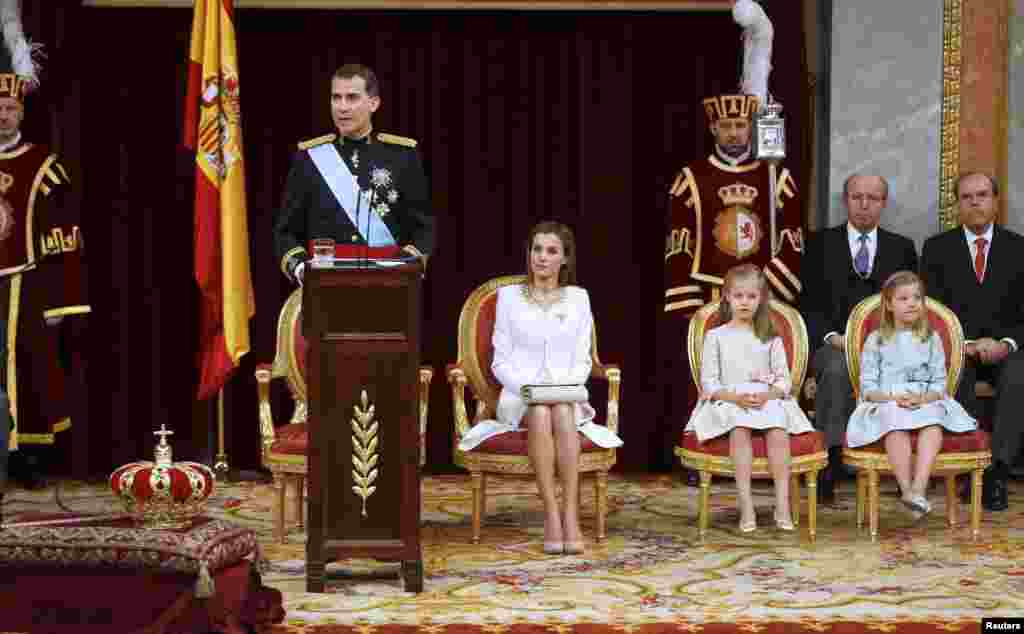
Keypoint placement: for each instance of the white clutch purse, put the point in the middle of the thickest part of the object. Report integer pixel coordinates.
(555, 393)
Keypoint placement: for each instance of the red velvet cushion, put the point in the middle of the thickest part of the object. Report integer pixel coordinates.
(291, 439)
(799, 444)
(120, 543)
(951, 443)
(782, 328)
(516, 444)
(873, 320)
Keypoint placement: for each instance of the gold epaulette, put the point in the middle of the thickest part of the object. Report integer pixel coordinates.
(397, 140)
(320, 140)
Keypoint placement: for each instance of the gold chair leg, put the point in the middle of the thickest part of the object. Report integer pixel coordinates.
(705, 494)
(601, 500)
(292, 494)
(477, 482)
(811, 478)
(862, 496)
(300, 501)
(976, 503)
(277, 510)
(873, 502)
(952, 508)
(483, 498)
(794, 498)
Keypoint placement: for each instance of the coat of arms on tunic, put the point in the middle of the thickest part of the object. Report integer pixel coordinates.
(738, 230)
(6, 219)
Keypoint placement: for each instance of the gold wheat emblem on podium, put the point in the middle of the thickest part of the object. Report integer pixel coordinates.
(364, 450)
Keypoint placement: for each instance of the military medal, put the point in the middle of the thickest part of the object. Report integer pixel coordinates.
(380, 178)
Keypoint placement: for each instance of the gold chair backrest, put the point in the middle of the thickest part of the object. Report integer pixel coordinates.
(290, 357)
(476, 351)
(866, 317)
(788, 323)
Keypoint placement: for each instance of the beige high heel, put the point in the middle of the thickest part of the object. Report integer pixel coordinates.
(784, 523)
(574, 548)
(554, 548)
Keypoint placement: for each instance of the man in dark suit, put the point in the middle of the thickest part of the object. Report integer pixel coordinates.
(365, 190)
(843, 265)
(978, 272)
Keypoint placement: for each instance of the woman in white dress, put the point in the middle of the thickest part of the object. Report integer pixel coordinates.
(542, 334)
(903, 387)
(745, 385)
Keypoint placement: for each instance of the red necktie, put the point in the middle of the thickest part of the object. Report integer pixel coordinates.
(979, 258)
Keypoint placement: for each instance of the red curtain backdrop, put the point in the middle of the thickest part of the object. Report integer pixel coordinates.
(521, 116)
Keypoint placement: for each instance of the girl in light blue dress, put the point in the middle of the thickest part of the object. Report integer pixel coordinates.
(903, 388)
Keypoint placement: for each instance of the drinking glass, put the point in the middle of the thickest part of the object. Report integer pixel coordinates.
(323, 250)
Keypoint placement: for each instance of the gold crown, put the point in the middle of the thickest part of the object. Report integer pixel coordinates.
(12, 86)
(730, 107)
(738, 194)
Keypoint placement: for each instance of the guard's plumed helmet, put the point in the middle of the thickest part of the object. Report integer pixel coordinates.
(19, 67)
(730, 107)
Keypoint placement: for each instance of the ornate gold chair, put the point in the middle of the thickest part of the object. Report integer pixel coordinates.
(507, 454)
(284, 446)
(807, 451)
(969, 452)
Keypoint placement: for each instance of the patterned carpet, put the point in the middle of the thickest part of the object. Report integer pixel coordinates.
(652, 575)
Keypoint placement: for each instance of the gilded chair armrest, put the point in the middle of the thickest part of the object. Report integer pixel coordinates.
(613, 374)
(426, 376)
(264, 374)
(603, 370)
(457, 379)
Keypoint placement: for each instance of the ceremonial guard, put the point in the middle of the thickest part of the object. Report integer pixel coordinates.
(42, 276)
(365, 190)
(721, 214)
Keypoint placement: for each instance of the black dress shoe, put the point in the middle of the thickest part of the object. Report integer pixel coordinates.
(998, 496)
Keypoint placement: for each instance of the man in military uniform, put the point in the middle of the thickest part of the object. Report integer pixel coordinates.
(42, 282)
(719, 217)
(365, 190)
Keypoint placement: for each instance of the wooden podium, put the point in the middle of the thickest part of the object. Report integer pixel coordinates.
(362, 325)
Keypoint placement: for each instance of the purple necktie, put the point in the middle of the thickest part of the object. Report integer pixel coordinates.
(862, 262)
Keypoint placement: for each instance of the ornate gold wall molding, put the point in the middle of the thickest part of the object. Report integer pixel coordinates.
(975, 97)
(949, 157)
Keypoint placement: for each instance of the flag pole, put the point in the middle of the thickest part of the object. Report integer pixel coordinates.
(220, 465)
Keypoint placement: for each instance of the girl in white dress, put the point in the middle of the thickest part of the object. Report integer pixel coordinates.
(745, 384)
(903, 387)
(542, 334)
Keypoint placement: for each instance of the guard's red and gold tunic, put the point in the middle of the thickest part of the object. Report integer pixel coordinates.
(719, 217)
(41, 277)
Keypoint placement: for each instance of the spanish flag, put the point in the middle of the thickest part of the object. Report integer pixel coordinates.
(213, 130)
